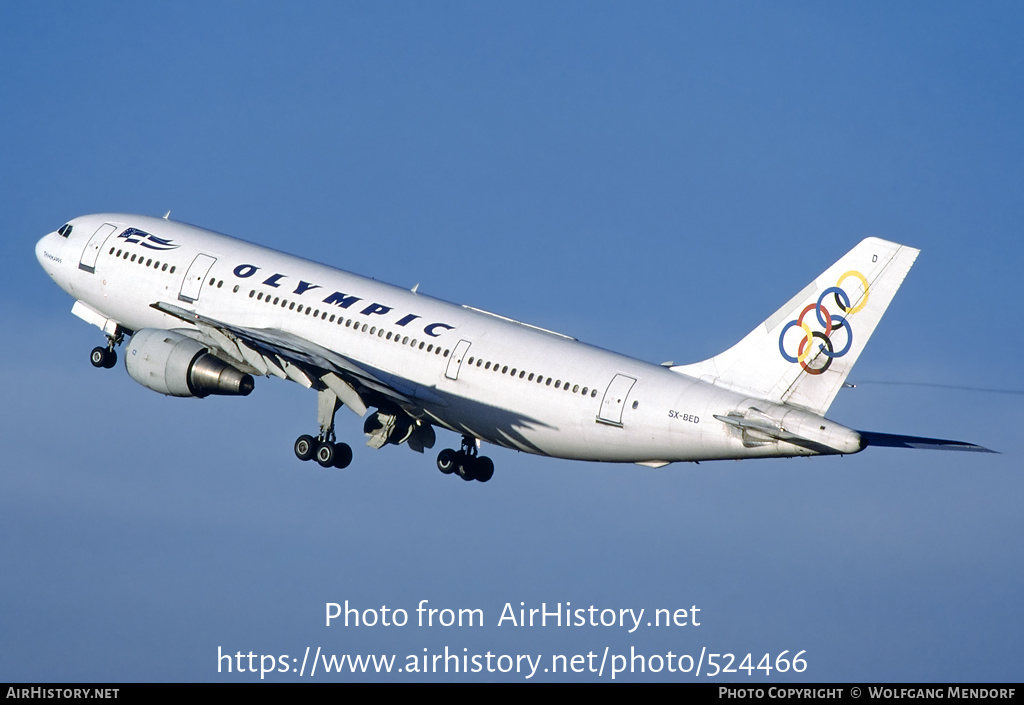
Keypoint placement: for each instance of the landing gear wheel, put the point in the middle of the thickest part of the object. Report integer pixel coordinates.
(466, 466)
(305, 446)
(342, 455)
(446, 461)
(103, 357)
(484, 469)
(325, 454)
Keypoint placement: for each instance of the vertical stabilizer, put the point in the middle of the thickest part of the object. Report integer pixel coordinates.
(803, 353)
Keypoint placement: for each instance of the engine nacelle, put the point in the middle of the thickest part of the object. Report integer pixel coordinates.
(176, 365)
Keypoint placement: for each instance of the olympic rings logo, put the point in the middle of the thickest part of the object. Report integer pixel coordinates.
(829, 322)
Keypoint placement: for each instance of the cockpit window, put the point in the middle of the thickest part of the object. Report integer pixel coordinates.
(66, 230)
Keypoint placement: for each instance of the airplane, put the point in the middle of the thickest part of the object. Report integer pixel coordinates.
(206, 313)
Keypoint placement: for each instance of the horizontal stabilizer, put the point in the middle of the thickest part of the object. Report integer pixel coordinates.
(891, 440)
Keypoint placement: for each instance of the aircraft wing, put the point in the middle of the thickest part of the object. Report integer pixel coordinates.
(283, 354)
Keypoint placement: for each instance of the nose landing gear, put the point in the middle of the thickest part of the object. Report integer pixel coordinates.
(107, 357)
(103, 357)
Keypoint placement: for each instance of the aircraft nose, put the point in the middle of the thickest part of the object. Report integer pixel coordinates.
(39, 250)
(48, 258)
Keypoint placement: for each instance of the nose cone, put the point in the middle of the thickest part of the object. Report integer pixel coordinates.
(41, 253)
(50, 253)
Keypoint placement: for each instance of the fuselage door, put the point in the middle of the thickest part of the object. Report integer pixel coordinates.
(614, 399)
(194, 277)
(92, 248)
(455, 361)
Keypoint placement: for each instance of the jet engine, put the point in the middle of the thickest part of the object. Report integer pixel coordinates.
(178, 366)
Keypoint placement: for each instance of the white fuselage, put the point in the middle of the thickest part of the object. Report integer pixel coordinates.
(475, 373)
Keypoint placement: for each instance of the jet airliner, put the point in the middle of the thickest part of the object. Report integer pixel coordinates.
(205, 313)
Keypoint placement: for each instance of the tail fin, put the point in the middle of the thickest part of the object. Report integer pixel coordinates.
(802, 354)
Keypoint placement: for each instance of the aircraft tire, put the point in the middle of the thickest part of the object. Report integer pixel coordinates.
(305, 446)
(446, 460)
(325, 454)
(466, 467)
(342, 455)
(484, 469)
(98, 358)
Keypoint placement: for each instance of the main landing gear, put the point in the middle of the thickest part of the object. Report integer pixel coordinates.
(323, 448)
(107, 357)
(326, 452)
(465, 462)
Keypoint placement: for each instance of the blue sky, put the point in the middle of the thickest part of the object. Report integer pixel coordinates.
(652, 179)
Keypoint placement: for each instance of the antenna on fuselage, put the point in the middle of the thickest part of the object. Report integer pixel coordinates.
(167, 215)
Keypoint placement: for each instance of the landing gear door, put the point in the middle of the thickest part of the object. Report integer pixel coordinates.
(614, 399)
(455, 361)
(194, 277)
(92, 249)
